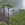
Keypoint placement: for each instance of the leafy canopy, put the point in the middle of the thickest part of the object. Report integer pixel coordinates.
(8, 5)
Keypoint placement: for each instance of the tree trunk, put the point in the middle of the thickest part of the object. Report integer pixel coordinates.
(4, 11)
(8, 16)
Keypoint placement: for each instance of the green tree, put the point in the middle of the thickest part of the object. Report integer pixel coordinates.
(8, 5)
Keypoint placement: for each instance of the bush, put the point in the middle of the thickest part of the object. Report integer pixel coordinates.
(3, 23)
(19, 19)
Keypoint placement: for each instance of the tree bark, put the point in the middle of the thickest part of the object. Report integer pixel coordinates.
(7, 21)
(8, 16)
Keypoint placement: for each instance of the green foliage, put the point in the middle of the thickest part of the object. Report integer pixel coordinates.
(3, 23)
(6, 4)
(18, 19)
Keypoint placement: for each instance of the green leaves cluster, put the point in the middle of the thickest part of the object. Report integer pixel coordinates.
(18, 19)
(6, 4)
(3, 23)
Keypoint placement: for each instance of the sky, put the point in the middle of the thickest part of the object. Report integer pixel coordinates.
(23, 4)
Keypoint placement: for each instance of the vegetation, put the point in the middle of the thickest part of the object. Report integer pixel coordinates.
(3, 23)
(8, 5)
(18, 19)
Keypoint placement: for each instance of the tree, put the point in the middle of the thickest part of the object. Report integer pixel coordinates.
(8, 5)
